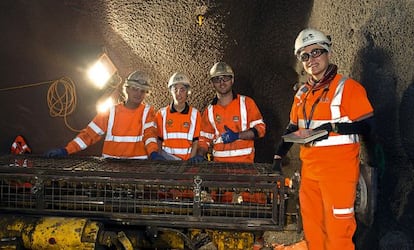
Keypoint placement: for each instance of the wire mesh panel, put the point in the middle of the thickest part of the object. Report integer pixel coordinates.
(236, 196)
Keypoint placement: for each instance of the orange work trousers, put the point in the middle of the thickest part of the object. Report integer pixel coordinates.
(327, 209)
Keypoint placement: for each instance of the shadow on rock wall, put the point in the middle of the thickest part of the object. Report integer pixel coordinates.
(377, 74)
(259, 46)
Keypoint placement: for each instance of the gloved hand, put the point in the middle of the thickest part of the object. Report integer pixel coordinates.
(57, 152)
(156, 156)
(196, 159)
(229, 136)
(277, 167)
(325, 126)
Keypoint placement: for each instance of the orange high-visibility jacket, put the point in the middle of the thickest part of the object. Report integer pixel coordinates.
(178, 130)
(129, 133)
(240, 115)
(344, 100)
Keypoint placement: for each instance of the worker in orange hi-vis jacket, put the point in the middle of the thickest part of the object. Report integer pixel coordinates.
(178, 124)
(128, 128)
(230, 123)
(330, 164)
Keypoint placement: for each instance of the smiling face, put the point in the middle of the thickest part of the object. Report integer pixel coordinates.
(222, 84)
(135, 96)
(315, 65)
(179, 93)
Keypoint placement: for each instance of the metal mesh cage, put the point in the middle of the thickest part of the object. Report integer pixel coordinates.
(136, 192)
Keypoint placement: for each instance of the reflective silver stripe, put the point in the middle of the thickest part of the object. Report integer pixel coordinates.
(211, 119)
(335, 117)
(243, 113)
(149, 140)
(126, 138)
(207, 135)
(177, 151)
(24, 146)
(317, 123)
(149, 124)
(243, 116)
(193, 120)
(164, 120)
(254, 123)
(177, 135)
(109, 136)
(342, 211)
(80, 143)
(337, 140)
(232, 153)
(337, 99)
(138, 138)
(96, 128)
(143, 157)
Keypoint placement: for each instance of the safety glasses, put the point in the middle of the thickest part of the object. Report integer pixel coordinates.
(219, 79)
(304, 57)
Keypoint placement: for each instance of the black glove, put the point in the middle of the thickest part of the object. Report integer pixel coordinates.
(327, 127)
(156, 156)
(196, 159)
(57, 152)
(277, 167)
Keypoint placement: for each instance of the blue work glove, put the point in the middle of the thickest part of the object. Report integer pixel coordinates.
(57, 152)
(156, 156)
(196, 159)
(229, 136)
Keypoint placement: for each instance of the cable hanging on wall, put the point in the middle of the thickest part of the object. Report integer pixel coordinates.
(61, 97)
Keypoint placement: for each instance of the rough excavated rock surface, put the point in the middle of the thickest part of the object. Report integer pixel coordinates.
(373, 42)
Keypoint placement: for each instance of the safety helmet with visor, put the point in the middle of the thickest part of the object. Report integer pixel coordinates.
(138, 79)
(311, 36)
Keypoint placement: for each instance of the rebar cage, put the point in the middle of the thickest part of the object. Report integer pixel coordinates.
(140, 192)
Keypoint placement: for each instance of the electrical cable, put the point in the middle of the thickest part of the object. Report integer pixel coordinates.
(61, 97)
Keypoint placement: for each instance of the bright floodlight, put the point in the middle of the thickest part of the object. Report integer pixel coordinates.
(105, 105)
(102, 71)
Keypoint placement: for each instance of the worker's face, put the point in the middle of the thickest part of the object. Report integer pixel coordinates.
(222, 84)
(315, 60)
(179, 93)
(135, 95)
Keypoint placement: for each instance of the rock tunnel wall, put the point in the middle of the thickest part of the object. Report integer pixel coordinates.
(372, 41)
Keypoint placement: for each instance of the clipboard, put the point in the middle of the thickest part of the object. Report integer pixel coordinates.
(304, 136)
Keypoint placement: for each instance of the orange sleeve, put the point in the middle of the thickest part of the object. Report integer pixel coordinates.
(158, 119)
(355, 102)
(150, 132)
(197, 126)
(205, 129)
(255, 117)
(294, 111)
(89, 135)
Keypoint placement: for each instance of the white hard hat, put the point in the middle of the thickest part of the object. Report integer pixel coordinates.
(221, 69)
(311, 36)
(179, 77)
(138, 79)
